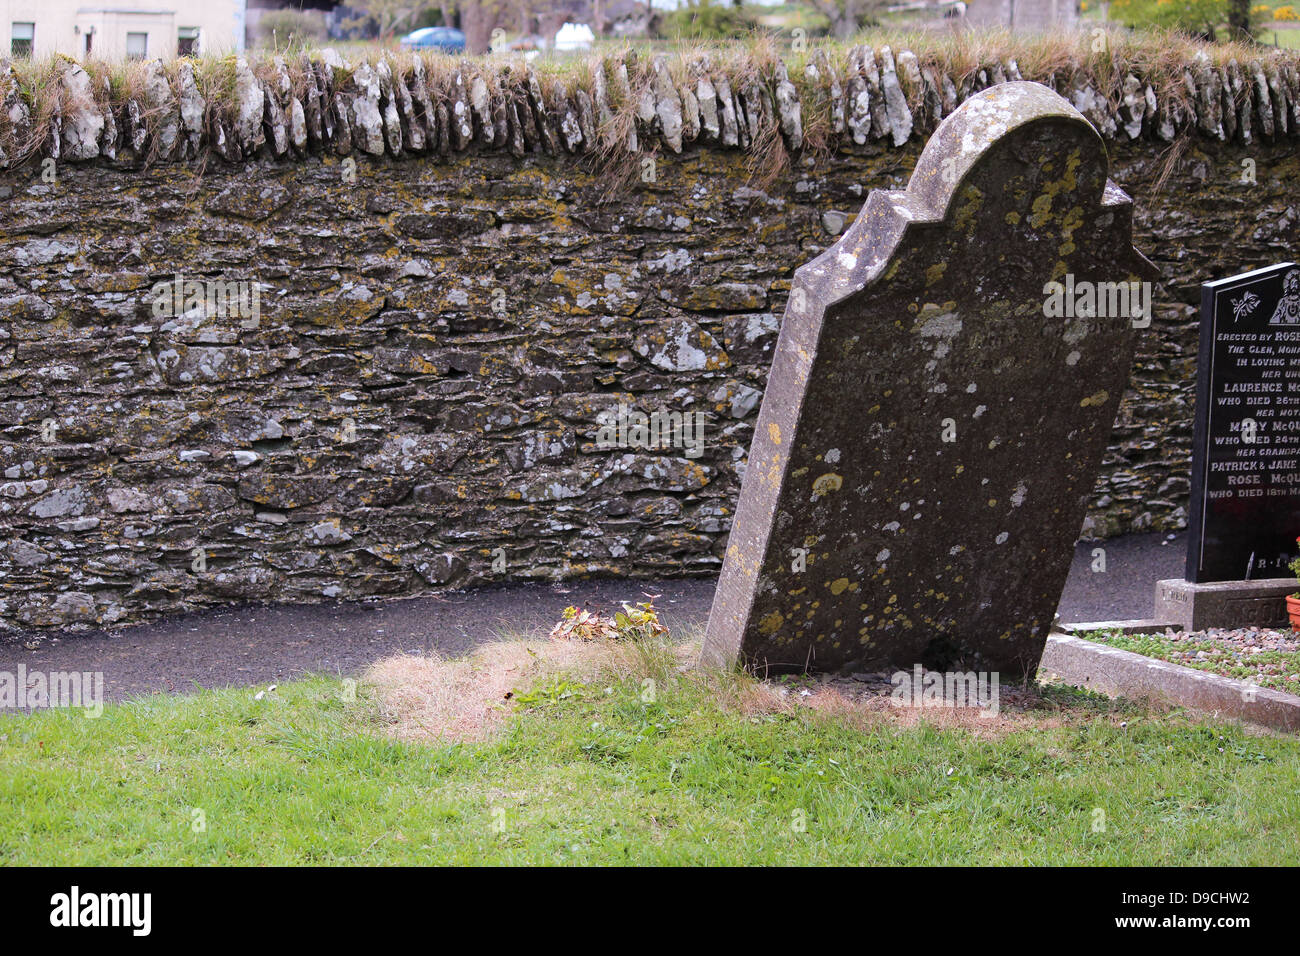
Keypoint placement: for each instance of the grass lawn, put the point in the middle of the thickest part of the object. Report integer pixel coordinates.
(1273, 34)
(590, 772)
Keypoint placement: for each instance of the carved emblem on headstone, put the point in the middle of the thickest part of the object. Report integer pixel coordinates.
(1288, 307)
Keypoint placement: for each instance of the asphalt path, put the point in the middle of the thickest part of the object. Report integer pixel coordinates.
(257, 645)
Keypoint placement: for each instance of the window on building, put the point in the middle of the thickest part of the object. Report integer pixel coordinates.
(90, 39)
(137, 46)
(24, 36)
(187, 43)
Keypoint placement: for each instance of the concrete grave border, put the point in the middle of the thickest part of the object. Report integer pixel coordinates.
(1118, 673)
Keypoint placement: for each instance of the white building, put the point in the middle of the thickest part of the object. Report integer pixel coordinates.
(117, 29)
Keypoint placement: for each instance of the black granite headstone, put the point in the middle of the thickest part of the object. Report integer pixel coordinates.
(1245, 512)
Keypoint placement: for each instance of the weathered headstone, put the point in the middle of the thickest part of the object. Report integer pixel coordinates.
(1245, 513)
(938, 407)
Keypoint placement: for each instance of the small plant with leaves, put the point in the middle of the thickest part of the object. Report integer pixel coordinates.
(552, 692)
(582, 625)
(638, 622)
(797, 681)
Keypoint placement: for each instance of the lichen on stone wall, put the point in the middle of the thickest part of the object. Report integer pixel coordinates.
(444, 321)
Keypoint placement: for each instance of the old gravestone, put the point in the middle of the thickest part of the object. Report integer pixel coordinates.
(929, 433)
(1245, 491)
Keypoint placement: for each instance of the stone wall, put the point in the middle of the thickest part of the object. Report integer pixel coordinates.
(415, 403)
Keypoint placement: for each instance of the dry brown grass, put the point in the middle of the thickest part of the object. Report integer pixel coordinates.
(840, 701)
(621, 167)
(470, 699)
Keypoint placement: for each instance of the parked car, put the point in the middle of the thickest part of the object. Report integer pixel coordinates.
(446, 39)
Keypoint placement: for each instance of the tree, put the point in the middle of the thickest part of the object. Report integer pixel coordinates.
(391, 15)
(1199, 17)
(706, 20)
(279, 29)
(478, 18)
(846, 16)
(1239, 19)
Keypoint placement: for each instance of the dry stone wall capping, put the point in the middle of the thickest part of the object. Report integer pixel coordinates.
(409, 106)
(459, 267)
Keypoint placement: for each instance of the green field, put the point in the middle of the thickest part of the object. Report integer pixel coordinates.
(589, 772)
(1288, 38)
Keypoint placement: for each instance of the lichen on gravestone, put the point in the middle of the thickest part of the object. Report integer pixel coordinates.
(930, 432)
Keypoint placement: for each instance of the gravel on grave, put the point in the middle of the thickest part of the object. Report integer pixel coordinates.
(1271, 658)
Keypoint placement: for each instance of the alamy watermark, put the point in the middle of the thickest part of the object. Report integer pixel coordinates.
(212, 298)
(977, 690)
(656, 430)
(37, 690)
(133, 911)
(1098, 300)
